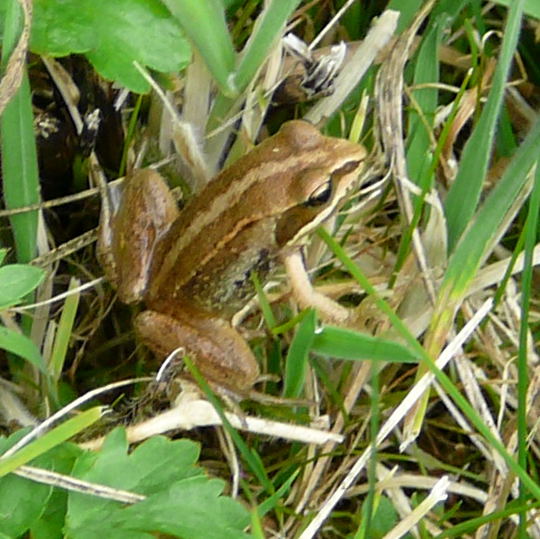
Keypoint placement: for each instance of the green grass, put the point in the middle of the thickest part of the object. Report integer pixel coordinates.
(440, 260)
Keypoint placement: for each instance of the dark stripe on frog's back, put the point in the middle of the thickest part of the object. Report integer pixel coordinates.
(229, 201)
(251, 190)
(205, 244)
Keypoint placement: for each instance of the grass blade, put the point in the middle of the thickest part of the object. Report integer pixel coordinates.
(464, 194)
(352, 345)
(531, 7)
(297, 356)
(18, 147)
(478, 240)
(473, 248)
(64, 331)
(204, 23)
(427, 360)
(268, 28)
(531, 231)
(51, 439)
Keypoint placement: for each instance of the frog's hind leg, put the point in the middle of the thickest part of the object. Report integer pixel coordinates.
(145, 212)
(218, 351)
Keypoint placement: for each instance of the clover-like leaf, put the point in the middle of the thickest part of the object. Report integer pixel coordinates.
(181, 500)
(112, 35)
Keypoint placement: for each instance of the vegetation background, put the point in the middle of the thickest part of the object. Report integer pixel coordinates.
(428, 411)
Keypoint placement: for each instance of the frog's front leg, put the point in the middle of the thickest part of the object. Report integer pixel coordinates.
(218, 351)
(307, 296)
(129, 232)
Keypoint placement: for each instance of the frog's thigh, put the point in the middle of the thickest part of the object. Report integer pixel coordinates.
(219, 352)
(147, 209)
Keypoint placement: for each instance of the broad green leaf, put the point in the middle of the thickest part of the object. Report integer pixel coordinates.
(182, 501)
(112, 35)
(17, 280)
(23, 503)
(27, 504)
(59, 29)
(22, 346)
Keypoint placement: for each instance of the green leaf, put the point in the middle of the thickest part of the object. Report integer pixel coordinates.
(348, 344)
(532, 7)
(59, 29)
(265, 33)
(298, 355)
(19, 344)
(204, 22)
(465, 191)
(20, 179)
(27, 504)
(112, 35)
(51, 523)
(193, 508)
(181, 501)
(17, 280)
(384, 519)
(50, 440)
(21, 506)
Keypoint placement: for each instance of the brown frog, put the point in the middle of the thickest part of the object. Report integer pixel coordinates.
(192, 268)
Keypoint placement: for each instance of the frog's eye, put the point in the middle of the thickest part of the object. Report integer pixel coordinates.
(321, 195)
